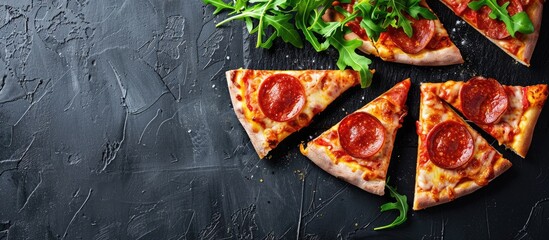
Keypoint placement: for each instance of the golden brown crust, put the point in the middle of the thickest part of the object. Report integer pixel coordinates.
(534, 11)
(536, 95)
(367, 45)
(321, 158)
(255, 138)
(424, 199)
(440, 57)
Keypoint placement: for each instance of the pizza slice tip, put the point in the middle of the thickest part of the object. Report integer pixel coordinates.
(358, 148)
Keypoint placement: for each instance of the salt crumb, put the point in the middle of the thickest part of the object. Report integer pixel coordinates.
(228, 58)
(189, 131)
(213, 86)
(343, 109)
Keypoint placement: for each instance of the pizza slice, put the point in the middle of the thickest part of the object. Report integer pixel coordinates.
(358, 148)
(507, 113)
(453, 160)
(520, 47)
(271, 105)
(429, 45)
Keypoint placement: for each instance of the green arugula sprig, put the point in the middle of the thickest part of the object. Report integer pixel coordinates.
(377, 17)
(286, 18)
(268, 13)
(401, 205)
(520, 22)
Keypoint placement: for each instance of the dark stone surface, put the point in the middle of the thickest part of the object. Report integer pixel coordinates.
(115, 123)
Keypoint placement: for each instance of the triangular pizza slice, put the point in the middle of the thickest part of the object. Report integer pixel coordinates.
(429, 45)
(521, 46)
(453, 160)
(358, 148)
(507, 113)
(272, 104)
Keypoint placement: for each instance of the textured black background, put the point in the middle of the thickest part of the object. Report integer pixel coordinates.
(115, 123)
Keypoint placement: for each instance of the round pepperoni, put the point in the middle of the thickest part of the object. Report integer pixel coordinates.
(423, 31)
(450, 145)
(361, 135)
(281, 97)
(495, 28)
(483, 100)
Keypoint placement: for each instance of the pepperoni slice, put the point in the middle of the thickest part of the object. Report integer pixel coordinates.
(458, 5)
(483, 100)
(450, 145)
(361, 135)
(423, 29)
(495, 28)
(281, 97)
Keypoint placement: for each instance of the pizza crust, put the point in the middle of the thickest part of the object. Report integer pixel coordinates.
(537, 95)
(367, 45)
(255, 137)
(535, 11)
(319, 156)
(440, 57)
(423, 199)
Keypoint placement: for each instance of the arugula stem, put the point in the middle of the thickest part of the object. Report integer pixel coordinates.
(239, 16)
(260, 25)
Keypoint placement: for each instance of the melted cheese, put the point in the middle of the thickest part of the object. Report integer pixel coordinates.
(442, 182)
(506, 129)
(321, 88)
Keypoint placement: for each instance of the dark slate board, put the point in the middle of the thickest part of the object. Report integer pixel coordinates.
(115, 123)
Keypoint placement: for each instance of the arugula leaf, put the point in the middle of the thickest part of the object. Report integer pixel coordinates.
(284, 29)
(414, 9)
(219, 5)
(269, 13)
(519, 22)
(401, 205)
(347, 54)
(285, 19)
(379, 15)
(307, 15)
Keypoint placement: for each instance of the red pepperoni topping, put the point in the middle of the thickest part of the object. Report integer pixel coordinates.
(361, 135)
(458, 5)
(281, 97)
(450, 145)
(483, 100)
(495, 28)
(423, 30)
